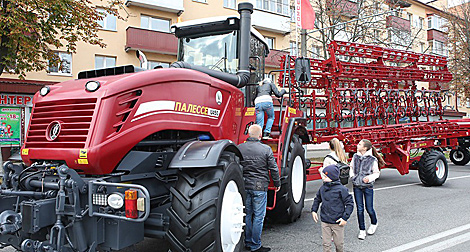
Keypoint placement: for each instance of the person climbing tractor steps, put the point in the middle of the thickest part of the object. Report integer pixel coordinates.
(264, 103)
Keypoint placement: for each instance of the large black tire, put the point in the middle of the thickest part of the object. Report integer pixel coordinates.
(459, 156)
(290, 199)
(433, 168)
(196, 208)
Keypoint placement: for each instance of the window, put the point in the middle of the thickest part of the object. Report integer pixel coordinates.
(108, 22)
(421, 47)
(64, 67)
(277, 6)
(155, 64)
(410, 17)
(317, 52)
(222, 56)
(439, 48)
(232, 4)
(437, 22)
(293, 48)
(155, 24)
(468, 102)
(270, 42)
(104, 62)
(421, 23)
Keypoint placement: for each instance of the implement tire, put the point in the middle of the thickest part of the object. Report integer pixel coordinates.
(206, 212)
(459, 156)
(290, 199)
(433, 168)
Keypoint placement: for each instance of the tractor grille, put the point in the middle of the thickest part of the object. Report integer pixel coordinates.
(74, 116)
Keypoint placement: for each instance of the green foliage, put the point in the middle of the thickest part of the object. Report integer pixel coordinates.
(30, 30)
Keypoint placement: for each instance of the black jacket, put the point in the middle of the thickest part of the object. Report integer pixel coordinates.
(268, 88)
(336, 202)
(258, 160)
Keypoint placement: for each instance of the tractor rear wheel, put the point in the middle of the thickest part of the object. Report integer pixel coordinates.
(206, 212)
(433, 168)
(290, 199)
(459, 156)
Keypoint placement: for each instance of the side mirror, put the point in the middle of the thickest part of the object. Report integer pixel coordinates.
(302, 70)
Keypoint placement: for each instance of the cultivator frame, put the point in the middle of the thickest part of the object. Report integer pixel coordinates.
(369, 92)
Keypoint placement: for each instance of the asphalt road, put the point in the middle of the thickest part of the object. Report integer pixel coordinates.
(411, 217)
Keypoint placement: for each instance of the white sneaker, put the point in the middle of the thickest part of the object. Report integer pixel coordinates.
(372, 229)
(362, 235)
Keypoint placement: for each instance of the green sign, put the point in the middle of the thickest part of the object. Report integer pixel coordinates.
(10, 125)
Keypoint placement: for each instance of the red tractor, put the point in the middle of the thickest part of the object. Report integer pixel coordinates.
(120, 154)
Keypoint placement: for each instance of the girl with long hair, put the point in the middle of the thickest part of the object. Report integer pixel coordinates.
(336, 155)
(364, 171)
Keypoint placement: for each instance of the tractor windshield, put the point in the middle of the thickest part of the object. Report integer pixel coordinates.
(217, 52)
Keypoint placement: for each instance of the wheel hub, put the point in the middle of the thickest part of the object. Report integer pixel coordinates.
(297, 179)
(231, 217)
(440, 168)
(458, 155)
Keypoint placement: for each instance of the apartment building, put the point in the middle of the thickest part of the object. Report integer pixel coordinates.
(147, 28)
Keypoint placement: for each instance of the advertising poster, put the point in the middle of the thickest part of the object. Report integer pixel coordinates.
(10, 125)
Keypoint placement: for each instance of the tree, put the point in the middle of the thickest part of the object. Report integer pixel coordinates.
(385, 29)
(31, 29)
(459, 45)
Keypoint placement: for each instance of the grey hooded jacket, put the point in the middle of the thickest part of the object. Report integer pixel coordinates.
(268, 88)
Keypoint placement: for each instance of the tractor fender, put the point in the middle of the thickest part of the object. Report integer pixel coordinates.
(296, 125)
(202, 154)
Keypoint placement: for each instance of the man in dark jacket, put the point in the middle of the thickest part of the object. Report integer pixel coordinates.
(264, 103)
(337, 206)
(258, 161)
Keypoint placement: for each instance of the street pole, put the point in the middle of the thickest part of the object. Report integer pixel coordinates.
(303, 42)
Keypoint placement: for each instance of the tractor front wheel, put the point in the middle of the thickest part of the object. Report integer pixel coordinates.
(459, 156)
(433, 168)
(290, 199)
(206, 212)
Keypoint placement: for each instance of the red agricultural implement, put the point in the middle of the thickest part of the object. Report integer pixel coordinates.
(120, 154)
(370, 92)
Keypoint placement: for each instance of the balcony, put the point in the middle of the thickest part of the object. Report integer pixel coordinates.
(398, 23)
(274, 58)
(268, 21)
(175, 6)
(344, 8)
(151, 41)
(437, 35)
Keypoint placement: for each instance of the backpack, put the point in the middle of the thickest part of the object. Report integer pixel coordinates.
(343, 170)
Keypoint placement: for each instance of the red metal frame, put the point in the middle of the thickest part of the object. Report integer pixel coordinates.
(368, 93)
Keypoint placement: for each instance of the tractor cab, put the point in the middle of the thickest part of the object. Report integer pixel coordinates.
(213, 45)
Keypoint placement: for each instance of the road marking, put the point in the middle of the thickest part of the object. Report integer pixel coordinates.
(398, 186)
(430, 239)
(446, 244)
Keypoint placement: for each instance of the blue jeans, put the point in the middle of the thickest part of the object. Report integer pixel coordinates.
(359, 195)
(267, 107)
(255, 211)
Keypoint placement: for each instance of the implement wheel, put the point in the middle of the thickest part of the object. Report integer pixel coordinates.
(290, 199)
(206, 212)
(433, 168)
(459, 156)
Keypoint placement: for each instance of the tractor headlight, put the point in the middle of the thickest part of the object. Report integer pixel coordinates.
(44, 90)
(116, 200)
(92, 86)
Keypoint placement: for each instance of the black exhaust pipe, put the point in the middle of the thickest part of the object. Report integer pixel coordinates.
(243, 74)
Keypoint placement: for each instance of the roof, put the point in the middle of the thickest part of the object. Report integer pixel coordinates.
(220, 18)
(22, 86)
